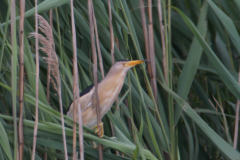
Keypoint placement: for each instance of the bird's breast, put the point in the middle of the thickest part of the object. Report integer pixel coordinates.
(108, 94)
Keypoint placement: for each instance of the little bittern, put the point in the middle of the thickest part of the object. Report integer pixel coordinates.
(108, 90)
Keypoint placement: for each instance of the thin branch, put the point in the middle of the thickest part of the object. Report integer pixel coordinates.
(62, 120)
(235, 140)
(37, 86)
(76, 100)
(162, 39)
(21, 80)
(96, 102)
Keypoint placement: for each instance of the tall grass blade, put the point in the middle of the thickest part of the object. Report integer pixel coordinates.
(37, 84)
(4, 141)
(194, 56)
(14, 75)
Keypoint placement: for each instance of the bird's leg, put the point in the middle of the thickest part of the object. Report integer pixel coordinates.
(94, 145)
(99, 131)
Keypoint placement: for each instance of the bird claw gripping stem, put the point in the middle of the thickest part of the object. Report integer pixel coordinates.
(99, 131)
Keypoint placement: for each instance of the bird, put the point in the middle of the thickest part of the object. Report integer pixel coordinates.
(108, 91)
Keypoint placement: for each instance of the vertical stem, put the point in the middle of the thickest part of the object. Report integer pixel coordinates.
(62, 119)
(76, 100)
(152, 51)
(169, 34)
(235, 140)
(145, 34)
(51, 18)
(14, 75)
(163, 40)
(45, 156)
(96, 100)
(98, 46)
(21, 80)
(111, 31)
(112, 53)
(166, 37)
(37, 82)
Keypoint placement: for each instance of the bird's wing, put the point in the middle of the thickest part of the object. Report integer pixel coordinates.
(85, 100)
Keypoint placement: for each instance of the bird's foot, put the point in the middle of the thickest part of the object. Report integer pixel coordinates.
(99, 131)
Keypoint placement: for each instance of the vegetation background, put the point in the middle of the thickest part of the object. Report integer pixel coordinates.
(183, 105)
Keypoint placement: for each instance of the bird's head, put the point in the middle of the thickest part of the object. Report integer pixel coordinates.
(124, 65)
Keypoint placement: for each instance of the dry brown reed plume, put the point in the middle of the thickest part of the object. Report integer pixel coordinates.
(48, 46)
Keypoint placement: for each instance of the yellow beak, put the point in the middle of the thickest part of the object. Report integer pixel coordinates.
(133, 63)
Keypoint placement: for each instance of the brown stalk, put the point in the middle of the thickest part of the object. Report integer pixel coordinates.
(96, 102)
(37, 82)
(149, 45)
(76, 100)
(152, 51)
(145, 34)
(235, 139)
(112, 53)
(162, 39)
(98, 46)
(21, 81)
(51, 18)
(152, 61)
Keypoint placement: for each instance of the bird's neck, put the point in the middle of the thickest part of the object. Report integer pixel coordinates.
(108, 90)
